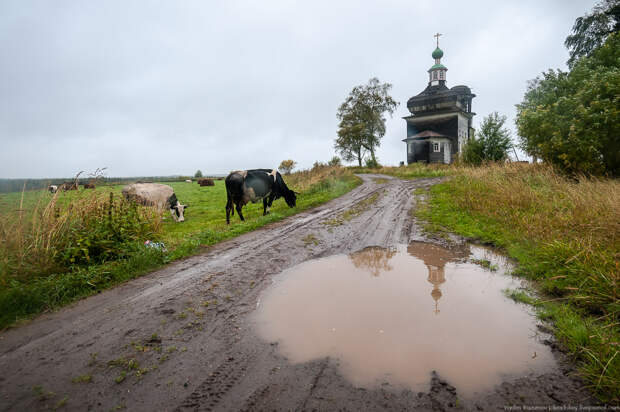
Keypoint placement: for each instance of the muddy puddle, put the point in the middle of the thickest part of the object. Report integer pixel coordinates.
(395, 315)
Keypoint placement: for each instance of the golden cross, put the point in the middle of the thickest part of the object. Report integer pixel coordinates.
(437, 37)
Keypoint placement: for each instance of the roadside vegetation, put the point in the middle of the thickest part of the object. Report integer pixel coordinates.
(565, 235)
(491, 144)
(62, 247)
(570, 119)
(414, 170)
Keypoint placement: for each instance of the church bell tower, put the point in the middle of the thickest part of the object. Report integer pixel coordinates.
(441, 118)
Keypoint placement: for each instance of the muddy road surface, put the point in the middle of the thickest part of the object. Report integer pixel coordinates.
(183, 338)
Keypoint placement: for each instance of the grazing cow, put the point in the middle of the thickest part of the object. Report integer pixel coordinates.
(89, 185)
(253, 185)
(188, 180)
(69, 186)
(52, 188)
(156, 194)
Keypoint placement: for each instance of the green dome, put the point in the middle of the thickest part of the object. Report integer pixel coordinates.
(437, 53)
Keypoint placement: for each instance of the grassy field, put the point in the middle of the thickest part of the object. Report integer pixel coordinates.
(56, 249)
(565, 235)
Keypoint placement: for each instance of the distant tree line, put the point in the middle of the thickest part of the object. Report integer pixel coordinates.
(17, 185)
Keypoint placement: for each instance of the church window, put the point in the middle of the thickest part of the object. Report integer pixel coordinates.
(436, 147)
(434, 75)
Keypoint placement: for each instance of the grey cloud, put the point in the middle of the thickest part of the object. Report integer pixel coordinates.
(169, 87)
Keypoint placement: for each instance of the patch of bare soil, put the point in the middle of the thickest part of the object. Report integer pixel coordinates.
(182, 339)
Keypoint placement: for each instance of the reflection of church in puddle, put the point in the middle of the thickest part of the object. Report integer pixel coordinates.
(435, 258)
(374, 259)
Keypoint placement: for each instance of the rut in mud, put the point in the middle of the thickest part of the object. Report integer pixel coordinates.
(183, 338)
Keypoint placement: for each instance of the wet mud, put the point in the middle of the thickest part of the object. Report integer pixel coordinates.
(186, 338)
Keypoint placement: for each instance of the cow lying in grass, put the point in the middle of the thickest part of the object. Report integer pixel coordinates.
(206, 182)
(68, 186)
(245, 186)
(155, 194)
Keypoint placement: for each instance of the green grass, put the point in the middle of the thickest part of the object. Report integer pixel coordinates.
(21, 297)
(564, 235)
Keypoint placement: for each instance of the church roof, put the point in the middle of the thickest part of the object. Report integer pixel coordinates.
(461, 89)
(427, 133)
(437, 66)
(440, 91)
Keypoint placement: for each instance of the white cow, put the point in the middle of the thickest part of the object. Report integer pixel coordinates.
(155, 194)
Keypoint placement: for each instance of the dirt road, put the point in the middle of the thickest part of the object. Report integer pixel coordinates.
(180, 338)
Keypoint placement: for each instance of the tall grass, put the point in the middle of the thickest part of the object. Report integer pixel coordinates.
(318, 178)
(565, 233)
(58, 234)
(575, 225)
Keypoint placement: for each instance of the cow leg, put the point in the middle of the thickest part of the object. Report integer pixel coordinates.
(239, 212)
(269, 202)
(265, 207)
(229, 208)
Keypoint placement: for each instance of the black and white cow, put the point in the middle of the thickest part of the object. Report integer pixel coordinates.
(156, 194)
(245, 186)
(52, 188)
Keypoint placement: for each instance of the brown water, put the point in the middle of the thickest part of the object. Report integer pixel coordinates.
(396, 315)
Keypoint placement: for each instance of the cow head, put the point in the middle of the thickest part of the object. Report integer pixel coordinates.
(177, 212)
(290, 197)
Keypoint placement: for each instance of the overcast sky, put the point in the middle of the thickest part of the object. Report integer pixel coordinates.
(169, 87)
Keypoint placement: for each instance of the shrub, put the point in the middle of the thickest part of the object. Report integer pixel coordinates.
(473, 152)
(371, 163)
(85, 230)
(492, 144)
(334, 161)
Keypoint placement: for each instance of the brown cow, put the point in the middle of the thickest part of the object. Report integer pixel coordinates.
(206, 182)
(69, 186)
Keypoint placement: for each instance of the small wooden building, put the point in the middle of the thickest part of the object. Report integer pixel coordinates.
(441, 118)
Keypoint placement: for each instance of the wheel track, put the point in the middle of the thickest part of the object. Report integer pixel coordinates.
(210, 392)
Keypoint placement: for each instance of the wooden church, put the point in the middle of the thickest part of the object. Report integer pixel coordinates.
(441, 118)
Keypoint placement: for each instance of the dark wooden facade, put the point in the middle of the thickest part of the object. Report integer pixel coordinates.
(441, 119)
